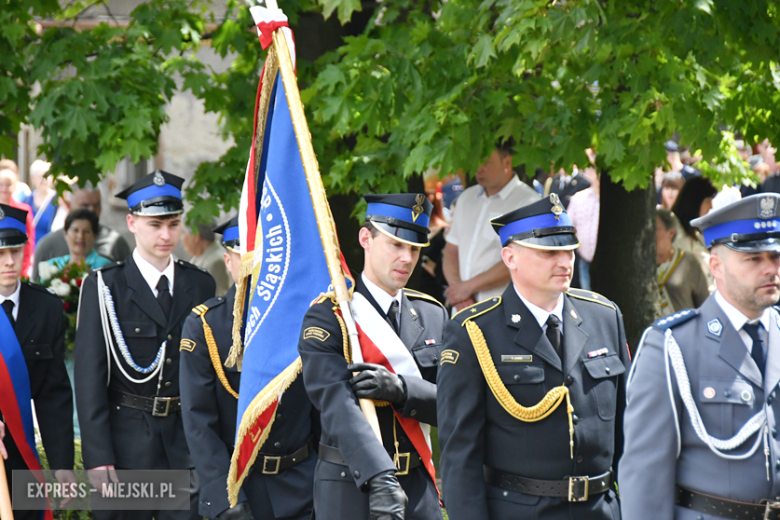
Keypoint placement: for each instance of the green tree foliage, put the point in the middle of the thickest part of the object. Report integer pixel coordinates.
(421, 88)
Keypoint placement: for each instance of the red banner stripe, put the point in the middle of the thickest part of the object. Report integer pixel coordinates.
(247, 445)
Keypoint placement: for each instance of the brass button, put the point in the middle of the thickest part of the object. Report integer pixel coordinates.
(170, 337)
(168, 361)
(579, 459)
(167, 384)
(356, 474)
(413, 413)
(137, 330)
(277, 445)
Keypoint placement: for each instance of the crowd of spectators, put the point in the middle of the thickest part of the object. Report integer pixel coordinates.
(469, 268)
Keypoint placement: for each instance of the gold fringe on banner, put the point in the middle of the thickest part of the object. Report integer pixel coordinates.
(236, 355)
(256, 408)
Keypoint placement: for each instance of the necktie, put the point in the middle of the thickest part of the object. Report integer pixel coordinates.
(8, 306)
(554, 334)
(164, 296)
(393, 315)
(758, 353)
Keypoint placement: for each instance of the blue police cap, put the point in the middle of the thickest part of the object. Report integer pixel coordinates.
(13, 227)
(541, 225)
(749, 225)
(157, 194)
(230, 236)
(402, 216)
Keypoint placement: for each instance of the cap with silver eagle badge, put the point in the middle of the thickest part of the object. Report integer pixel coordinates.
(157, 194)
(541, 225)
(401, 216)
(749, 225)
(13, 227)
(231, 239)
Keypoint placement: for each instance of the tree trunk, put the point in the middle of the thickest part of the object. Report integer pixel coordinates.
(624, 267)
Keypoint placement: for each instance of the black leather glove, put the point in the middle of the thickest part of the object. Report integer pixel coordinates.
(386, 498)
(240, 512)
(377, 382)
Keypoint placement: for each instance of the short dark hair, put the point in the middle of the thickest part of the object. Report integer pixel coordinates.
(688, 202)
(371, 227)
(505, 147)
(667, 218)
(82, 214)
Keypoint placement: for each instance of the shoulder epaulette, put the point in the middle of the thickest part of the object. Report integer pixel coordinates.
(209, 304)
(590, 296)
(324, 297)
(40, 288)
(675, 319)
(478, 309)
(111, 266)
(188, 265)
(411, 293)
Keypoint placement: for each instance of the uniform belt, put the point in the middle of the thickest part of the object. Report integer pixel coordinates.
(274, 464)
(157, 406)
(720, 507)
(406, 461)
(573, 489)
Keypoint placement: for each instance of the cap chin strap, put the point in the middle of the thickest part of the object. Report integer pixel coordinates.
(745, 237)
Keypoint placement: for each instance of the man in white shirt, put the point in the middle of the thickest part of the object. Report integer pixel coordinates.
(472, 257)
(127, 391)
(701, 420)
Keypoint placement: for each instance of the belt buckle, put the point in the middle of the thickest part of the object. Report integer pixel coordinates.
(573, 481)
(165, 409)
(772, 510)
(275, 470)
(398, 464)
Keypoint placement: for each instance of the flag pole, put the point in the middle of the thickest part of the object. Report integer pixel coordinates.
(322, 212)
(6, 511)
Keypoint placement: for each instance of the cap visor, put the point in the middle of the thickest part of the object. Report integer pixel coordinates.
(563, 242)
(159, 209)
(17, 240)
(407, 236)
(770, 245)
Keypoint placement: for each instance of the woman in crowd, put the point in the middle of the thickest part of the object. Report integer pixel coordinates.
(9, 175)
(42, 198)
(681, 282)
(670, 189)
(694, 201)
(81, 228)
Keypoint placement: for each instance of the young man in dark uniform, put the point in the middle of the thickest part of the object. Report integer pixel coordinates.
(356, 476)
(39, 323)
(280, 485)
(127, 392)
(531, 386)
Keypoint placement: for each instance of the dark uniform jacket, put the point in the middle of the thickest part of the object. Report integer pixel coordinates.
(120, 435)
(209, 412)
(728, 390)
(475, 430)
(40, 328)
(337, 488)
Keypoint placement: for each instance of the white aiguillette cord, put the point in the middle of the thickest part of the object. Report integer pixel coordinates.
(109, 322)
(758, 422)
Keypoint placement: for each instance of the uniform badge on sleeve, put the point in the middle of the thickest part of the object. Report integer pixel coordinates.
(316, 333)
(187, 344)
(449, 356)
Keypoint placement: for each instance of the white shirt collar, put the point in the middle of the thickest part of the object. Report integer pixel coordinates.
(542, 315)
(381, 296)
(505, 191)
(14, 298)
(151, 274)
(736, 317)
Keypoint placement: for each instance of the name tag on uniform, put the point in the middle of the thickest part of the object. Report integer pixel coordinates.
(519, 358)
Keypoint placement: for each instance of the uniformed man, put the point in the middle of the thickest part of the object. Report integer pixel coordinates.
(356, 476)
(280, 485)
(531, 386)
(701, 421)
(127, 391)
(39, 323)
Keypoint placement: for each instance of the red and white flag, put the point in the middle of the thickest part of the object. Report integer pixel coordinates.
(382, 346)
